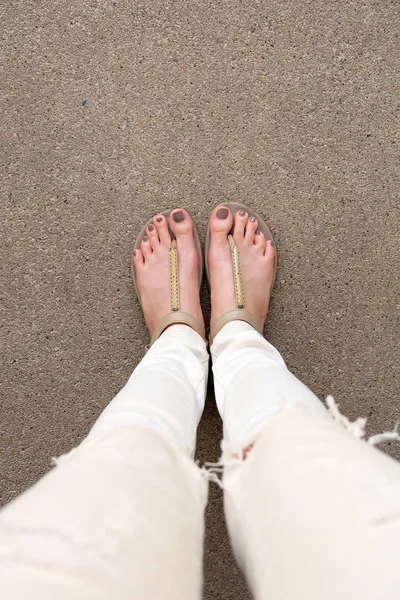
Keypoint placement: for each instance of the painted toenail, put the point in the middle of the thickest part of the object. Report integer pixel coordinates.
(222, 213)
(159, 219)
(242, 213)
(253, 219)
(150, 227)
(178, 216)
(145, 239)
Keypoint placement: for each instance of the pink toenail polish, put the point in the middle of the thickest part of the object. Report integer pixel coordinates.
(150, 227)
(222, 213)
(178, 216)
(253, 219)
(159, 219)
(242, 213)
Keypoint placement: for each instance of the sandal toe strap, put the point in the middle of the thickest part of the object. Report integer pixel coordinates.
(240, 313)
(176, 316)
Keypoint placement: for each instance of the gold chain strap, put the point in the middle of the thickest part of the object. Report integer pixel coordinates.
(173, 274)
(237, 273)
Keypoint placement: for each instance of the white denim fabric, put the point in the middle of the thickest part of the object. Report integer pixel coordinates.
(312, 512)
(166, 391)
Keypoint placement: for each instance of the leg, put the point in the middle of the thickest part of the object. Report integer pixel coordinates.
(173, 374)
(312, 512)
(121, 516)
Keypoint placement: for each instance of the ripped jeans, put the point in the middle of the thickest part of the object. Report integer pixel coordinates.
(313, 513)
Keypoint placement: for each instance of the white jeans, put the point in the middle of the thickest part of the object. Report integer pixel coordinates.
(312, 512)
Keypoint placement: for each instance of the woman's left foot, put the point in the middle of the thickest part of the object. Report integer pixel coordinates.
(152, 269)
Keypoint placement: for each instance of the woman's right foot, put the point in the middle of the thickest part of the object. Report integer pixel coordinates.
(257, 256)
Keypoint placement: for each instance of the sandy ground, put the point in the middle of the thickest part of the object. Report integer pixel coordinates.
(112, 111)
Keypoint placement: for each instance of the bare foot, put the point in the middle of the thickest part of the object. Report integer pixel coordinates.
(257, 258)
(151, 265)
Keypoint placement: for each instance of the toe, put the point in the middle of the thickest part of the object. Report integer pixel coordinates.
(146, 248)
(221, 223)
(182, 227)
(251, 228)
(152, 235)
(137, 259)
(241, 219)
(181, 223)
(161, 224)
(270, 251)
(260, 241)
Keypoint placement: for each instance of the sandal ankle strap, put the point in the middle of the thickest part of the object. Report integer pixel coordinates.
(177, 318)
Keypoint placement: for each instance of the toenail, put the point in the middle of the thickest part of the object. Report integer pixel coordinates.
(159, 219)
(222, 213)
(272, 243)
(150, 227)
(145, 239)
(242, 213)
(253, 219)
(258, 232)
(134, 253)
(178, 216)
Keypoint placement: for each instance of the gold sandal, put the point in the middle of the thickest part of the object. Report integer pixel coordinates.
(239, 313)
(176, 316)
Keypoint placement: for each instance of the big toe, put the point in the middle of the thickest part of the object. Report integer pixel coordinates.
(221, 223)
(181, 224)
